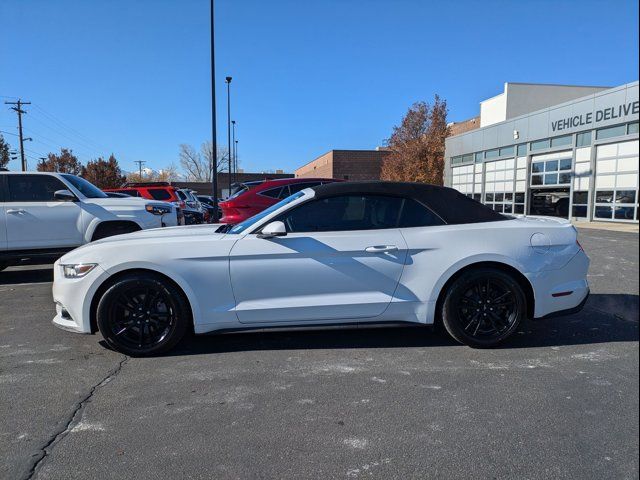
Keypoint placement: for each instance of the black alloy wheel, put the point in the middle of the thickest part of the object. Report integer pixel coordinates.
(483, 307)
(143, 314)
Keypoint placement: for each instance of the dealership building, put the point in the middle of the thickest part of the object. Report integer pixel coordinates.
(561, 150)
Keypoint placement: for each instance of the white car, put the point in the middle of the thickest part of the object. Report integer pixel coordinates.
(44, 215)
(341, 253)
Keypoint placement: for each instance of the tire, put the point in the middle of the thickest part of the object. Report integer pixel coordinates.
(105, 231)
(143, 314)
(483, 307)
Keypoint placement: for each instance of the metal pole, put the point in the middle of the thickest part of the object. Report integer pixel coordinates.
(233, 149)
(228, 80)
(214, 143)
(235, 159)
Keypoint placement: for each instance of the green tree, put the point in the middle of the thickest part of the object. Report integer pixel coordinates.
(104, 173)
(4, 152)
(66, 162)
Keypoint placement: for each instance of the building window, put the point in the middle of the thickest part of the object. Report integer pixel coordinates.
(499, 185)
(495, 153)
(539, 145)
(561, 141)
(583, 139)
(616, 131)
(616, 180)
(632, 128)
(551, 172)
(580, 204)
(504, 151)
(467, 158)
(522, 150)
(479, 157)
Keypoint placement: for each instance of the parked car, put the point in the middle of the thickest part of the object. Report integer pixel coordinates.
(251, 198)
(343, 253)
(43, 215)
(207, 202)
(193, 214)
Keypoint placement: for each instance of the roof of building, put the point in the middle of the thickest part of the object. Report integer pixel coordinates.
(452, 206)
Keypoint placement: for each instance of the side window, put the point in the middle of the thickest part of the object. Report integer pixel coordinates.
(296, 187)
(348, 212)
(33, 188)
(159, 194)
(285, 192)
(272, 192)
(415, 214)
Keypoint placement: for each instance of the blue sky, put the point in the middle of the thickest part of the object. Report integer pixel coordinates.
(132, 77)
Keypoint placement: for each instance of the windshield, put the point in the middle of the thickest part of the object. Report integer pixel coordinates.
(242, 226)
(88, 189)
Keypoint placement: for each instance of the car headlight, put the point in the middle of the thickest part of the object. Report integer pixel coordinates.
(77, 270)
(158, 209)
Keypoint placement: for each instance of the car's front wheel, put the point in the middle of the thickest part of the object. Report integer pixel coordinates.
(483, 307)
(143, 314)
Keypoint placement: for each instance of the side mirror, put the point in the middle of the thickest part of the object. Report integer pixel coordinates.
(273, 229)
(64, 196)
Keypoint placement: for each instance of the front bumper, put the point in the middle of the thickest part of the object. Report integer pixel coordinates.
(72, 297)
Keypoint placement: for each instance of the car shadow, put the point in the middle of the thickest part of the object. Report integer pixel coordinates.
(23, 275)
(605, 318)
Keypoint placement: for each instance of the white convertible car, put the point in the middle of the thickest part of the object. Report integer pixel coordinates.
(341, 253)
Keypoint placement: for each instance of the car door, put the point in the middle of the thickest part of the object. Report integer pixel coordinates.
(35, 219)
(341, 259)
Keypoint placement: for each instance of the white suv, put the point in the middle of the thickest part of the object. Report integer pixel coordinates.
(44, 215)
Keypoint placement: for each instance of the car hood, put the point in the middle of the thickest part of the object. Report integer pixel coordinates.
(121, 201)
(137, 241)
(166, 234)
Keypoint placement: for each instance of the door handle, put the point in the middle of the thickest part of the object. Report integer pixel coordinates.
(18, 211)
(381, 249)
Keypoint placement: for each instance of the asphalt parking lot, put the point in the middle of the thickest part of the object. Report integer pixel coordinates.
(559, 401)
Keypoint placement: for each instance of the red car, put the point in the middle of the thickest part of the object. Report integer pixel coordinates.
(253, 197)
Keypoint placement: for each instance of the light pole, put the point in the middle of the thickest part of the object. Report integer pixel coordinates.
(214, 143)
(235, 157)
(233, 148)
(228, 80)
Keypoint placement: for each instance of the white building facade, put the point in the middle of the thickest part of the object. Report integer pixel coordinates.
(566, 151)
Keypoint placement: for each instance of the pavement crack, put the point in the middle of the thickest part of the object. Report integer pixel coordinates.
(69, 422)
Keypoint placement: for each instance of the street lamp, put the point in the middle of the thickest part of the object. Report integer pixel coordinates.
(228, 81)
(214, 141)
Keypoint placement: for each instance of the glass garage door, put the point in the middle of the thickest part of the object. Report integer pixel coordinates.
(504, 187)
(616, 193)
(464, 178)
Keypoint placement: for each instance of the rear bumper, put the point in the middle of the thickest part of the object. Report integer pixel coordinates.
(568, 311)
(561, 290)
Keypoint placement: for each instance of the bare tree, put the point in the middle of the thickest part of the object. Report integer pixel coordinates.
(198, 166)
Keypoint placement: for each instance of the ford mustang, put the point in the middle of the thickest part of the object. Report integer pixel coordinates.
(336, 254)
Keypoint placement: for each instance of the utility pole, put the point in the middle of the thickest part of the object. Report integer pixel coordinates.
(42, 160)
(18, 108)
(229, 146)
(140, 163)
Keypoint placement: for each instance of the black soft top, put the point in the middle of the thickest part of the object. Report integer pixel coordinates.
(452, 206)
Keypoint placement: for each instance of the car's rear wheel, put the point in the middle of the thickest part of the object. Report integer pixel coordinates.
(483, 307)
(143, 314)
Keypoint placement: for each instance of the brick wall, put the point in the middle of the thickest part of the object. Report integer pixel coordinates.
(465, 126)
(321, 167)
(354, 165)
